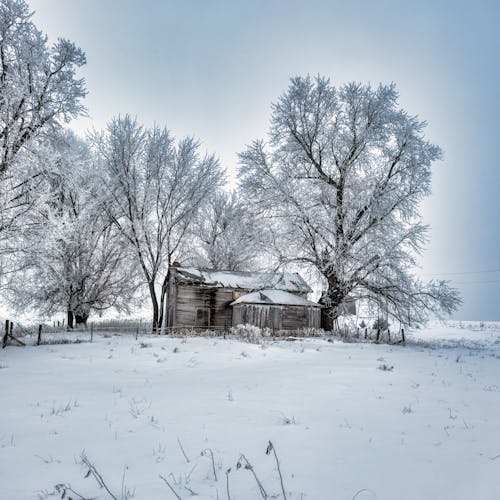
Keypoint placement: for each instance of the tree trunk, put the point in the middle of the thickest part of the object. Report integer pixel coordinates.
(70, 321)
(81, 319)
(333, 297)
(162, 301)
(154, 300)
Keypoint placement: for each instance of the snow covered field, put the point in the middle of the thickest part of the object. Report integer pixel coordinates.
(425, 427)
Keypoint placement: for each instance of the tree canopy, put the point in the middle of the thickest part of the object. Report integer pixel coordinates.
(339, 181)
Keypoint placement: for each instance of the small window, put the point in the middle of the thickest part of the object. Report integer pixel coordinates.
(203, 317)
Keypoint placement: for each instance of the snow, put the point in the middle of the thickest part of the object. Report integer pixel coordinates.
(278, 297)
(291, 282)
(425, 429)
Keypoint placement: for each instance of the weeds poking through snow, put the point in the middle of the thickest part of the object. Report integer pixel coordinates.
(228, 471)
(126, 494)
(364, 490)
(63, 409)
(138, 407)
(230, 396)
(61, 489)
(204, 453)
(182, 449)
(270, 448)
(48, 460)
(385, 368)
(243, 462)
(4, 442)
(160, 453)
(285, 420)
(407, 409)
(165, 480)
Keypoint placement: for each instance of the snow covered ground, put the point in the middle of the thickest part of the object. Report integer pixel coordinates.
(425, 427)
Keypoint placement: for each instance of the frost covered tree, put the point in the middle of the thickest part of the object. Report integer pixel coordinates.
(339, 181)
(154, 186)
(69, 253)
(229, 236)
(38, 82)
(39, 89)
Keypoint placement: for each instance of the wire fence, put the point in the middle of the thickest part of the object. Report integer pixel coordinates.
(40, 334)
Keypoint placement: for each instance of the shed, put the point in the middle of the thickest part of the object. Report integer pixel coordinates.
(202, 298)
(276, 309)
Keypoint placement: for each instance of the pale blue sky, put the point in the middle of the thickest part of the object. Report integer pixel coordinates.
(212, 68)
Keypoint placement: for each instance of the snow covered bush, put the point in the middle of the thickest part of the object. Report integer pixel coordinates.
(250, 333)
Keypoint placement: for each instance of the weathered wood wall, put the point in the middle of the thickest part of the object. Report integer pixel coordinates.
(261, 315)
(277, 317)
(195, 306)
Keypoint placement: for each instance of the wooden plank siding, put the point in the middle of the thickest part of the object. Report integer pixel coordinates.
(261, 315)
(276, 317)
(201, 307)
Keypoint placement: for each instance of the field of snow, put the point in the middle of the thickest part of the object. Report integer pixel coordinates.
(347, 420)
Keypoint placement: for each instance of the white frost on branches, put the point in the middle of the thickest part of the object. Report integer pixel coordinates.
(339, 182)
(70, 254)
(153, 187)
(229, 236)
(38, 83)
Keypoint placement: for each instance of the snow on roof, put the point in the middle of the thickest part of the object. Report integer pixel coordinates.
(290, 282)
(274, 297)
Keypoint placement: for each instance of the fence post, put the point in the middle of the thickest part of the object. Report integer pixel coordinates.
(39, 339)
(6, 334)
(403, 335)
(91, 332)
(136, 333)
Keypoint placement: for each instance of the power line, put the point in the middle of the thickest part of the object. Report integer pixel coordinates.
(464, 272)
(475, 282)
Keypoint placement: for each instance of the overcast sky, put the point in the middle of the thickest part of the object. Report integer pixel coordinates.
(212, 68)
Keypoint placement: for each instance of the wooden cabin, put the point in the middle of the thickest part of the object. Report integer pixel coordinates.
(211, 299)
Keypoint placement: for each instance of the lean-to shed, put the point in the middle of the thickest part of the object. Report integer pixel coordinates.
(276, 309)
(202, 298)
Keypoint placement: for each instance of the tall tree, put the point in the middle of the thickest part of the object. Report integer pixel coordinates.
(39, 89)
(69, 251)
(38, 83)
(340, 180)
(154, 187)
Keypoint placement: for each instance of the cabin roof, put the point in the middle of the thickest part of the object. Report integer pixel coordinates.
(289, 282)
(274, 297)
